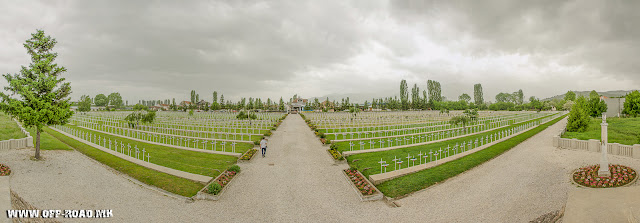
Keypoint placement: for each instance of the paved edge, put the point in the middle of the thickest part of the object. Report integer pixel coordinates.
(5, 195)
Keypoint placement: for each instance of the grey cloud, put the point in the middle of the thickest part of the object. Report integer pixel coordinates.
(163, 49)
(601, 34)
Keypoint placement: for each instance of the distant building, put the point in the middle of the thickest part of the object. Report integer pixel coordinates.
(185, 103)
(164, 107)
(297, 104)
(614, 106)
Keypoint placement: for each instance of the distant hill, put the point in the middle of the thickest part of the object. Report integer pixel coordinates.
(610, 94)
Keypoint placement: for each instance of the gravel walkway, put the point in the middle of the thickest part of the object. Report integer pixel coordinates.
(302, 185)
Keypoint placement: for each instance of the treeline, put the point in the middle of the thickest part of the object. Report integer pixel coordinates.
(113, 101)
(431, 99)
(196, 103)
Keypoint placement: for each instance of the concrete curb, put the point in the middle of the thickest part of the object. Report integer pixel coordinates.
(374, 197)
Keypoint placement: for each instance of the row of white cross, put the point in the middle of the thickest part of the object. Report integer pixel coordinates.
(174, 140)
(464, 146)
(135, 133)
(97, 139)
(383, 118)
(413, 139)
(375, 126)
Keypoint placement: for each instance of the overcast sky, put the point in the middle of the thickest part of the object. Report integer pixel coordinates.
(164, 49)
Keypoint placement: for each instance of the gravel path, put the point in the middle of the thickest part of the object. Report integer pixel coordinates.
(302, 185)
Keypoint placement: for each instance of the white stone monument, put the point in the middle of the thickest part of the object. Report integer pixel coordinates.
(604, 162)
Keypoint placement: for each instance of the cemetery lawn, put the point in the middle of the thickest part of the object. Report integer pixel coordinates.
(344, 146)
(9, 129)
(158, 179)
(206, 164)
(47, 141)
(621, 130)
(420, 180)
(241, 147)
(370, 160)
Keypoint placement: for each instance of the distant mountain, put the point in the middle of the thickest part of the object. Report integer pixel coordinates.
(610, 94)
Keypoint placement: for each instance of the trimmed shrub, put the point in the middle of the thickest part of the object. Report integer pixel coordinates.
(234, 168)
(214, 188)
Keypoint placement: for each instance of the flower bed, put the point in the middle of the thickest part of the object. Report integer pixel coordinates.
(335, 154)
(620, 176)
(247, 156)
(4, 170)
(366, 190)
(216, 188)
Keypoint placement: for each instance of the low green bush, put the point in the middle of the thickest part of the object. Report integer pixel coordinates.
(214, 188)
(234, 168)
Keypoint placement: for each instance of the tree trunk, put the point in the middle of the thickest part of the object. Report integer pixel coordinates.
(37, 156)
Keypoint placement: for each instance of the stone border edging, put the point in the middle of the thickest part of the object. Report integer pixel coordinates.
(19, 203)
(379, 178)
(167, 145)
(202, 195)
(18, 143)
(373, 197)
(167, 170)
(343, 161)
(252, 156)
(573, 181)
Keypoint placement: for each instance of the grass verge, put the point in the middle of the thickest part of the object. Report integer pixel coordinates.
(368, 162)
(201, 163)
(173, 184)
(9, 129)
(420, 180)
(47, 141)
(620, 130)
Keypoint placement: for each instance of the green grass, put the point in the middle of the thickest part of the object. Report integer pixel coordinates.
(417, 181)
(370, 160)
(9, 129)
(185, 160)
(161, 180)
(47, 141)
(241, 147)
(620, 130)
(344, 146)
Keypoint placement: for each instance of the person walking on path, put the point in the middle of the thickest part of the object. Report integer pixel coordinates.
(263, 145)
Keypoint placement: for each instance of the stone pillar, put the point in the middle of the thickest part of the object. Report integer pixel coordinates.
(636, 151)
(594, 145)
(604, 162)
(29, 141)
